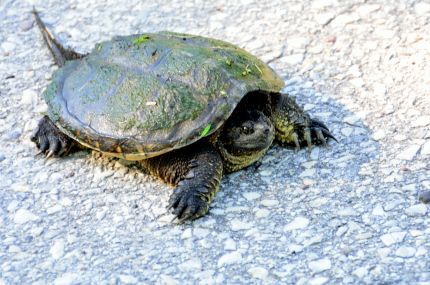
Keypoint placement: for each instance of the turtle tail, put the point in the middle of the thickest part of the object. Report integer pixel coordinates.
(59, 52)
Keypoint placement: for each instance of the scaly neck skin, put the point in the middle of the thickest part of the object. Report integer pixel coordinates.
(232, 163)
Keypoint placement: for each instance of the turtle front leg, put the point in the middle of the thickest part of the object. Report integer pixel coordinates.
(294, 126)
(196, 172)
(50, 140)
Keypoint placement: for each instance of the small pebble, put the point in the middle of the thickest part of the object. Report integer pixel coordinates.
(424, 197)
(318, 280)
(237, 225)
(168, 280)
(392, 238)
(127, 279)
(67, 279)
(409, 153)
(258, 272)
(23, 216)
(416, 210)
(297, 223)
(405, 251)
(320, 265)
(230, 258)
(57, 249)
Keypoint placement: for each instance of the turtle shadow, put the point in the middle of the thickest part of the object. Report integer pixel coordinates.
(289, 182)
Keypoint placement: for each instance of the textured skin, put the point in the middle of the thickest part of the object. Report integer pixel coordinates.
(196, 171)
(143, 95)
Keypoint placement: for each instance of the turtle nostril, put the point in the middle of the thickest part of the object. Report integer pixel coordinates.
(266, 131)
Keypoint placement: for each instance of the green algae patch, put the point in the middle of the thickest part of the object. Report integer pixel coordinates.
(140, 40)
(206, 131)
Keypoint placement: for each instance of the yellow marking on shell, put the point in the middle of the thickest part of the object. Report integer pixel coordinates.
(97, 145)
(151, 103)
(118, 149)
(78, 133)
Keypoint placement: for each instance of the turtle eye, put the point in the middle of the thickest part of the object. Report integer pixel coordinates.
(246, 130)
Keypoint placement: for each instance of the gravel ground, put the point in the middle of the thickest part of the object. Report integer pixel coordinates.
(347, 213)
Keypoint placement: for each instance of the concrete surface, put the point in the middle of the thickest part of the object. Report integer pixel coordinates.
(344, 214)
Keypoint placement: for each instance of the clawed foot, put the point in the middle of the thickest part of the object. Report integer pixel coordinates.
(49, 139)
(187, 204)
(314, 134)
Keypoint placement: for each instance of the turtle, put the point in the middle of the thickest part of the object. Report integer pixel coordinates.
(187, 108)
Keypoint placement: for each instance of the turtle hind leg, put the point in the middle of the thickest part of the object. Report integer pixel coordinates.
(59, 52)
(50, 140)
(196, 172)
(294, 126)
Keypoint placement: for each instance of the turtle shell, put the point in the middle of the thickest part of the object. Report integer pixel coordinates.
(143, 95)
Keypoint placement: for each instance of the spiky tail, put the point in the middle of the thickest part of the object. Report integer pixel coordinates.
(59, 52)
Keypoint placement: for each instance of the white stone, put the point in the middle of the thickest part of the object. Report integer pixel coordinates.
(200, 232)
(425, 150)
(266, 172)
(229, 244)
(67, 279)
(347, 212)
(308, 173)
(421, 121)
(365, 10)
(269, 203)
(54, 209)
(405, 251)
(251, 195)
(318, 280)
(409, 153)
(12, 206)
(186, 234)
(20, 187)
(168, 280)
(379, 89)
(378, 210)
(57, 249)
(258, 272)
(379, 135)
(230, 258)
(293, 59)
(23, 216)
(8, 46)
(360, 272)
(416, 210)
(297, 223)
(344, 19)
(191, 265)
(323, 18)
(237, 225)
(347, 131)
(29, 97)
(262, 213)
(319, 265)
(392, 238)
(353, 119)
(127, 279)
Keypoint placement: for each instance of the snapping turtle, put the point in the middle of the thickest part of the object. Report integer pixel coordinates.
(188, 108)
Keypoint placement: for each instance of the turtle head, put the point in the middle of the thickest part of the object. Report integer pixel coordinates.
(245, 138)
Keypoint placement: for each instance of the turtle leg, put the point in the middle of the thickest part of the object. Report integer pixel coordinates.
(294, 126)
(196, 172)
(50, 140)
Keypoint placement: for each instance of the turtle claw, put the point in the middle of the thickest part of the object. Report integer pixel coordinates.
(50, 140)
(50, 153)
(308, 137)
(186, 204)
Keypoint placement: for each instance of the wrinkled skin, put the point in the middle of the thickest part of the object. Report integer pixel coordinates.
(196, 169)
